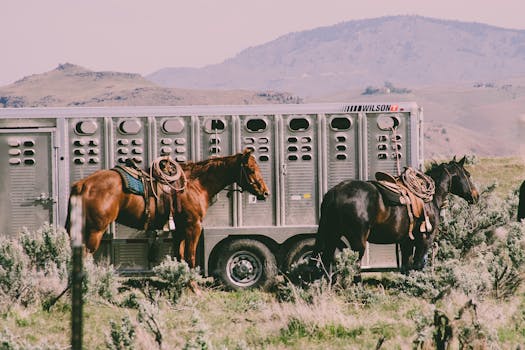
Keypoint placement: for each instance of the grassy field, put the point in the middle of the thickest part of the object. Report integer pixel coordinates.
(473, 289)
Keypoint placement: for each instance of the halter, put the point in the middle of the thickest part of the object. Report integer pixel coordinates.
(462, 172)
(242, 175)
(445, 202)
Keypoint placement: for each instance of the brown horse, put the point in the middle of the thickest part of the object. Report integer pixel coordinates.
(357, 210)
(105, 201)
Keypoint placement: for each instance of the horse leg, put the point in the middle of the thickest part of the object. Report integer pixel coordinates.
(358, 244)
(407, 251)
(182, 245)
(93, 239)
(188, 247)
(422, 246)
(326, 239)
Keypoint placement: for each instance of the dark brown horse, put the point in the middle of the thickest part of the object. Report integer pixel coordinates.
(357, 210)
(105, 201)
(521, 203)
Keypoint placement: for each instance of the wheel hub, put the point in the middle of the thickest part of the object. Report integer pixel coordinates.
(244, 269)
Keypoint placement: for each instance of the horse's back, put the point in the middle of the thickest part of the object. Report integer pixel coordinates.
(349, 203)
(351, 193)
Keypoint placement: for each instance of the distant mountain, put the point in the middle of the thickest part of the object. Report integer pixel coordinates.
(404, 50)
(72, 85)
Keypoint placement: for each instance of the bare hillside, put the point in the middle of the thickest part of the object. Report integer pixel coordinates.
(71, 85)
(481, 118)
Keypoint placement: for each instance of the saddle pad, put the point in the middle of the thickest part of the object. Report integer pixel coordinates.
(130, 183)
(390, 197)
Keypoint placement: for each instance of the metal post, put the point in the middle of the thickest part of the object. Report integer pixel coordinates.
(77, 224)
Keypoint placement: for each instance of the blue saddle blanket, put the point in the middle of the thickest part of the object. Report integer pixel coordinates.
(130, 183)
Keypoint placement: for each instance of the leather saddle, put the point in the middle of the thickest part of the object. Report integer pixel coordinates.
(395, 192)
(152, 186)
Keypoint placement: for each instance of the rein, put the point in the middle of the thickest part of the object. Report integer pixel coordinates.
(242, 175)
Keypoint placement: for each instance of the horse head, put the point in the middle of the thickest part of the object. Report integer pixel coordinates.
(250, 177)
(461, 183)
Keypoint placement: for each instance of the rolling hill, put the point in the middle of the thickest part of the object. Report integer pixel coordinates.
(72, 85)
(406, 50)
(484, 119)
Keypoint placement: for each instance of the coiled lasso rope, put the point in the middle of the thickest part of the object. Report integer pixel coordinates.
(167, 179)
(419, 183)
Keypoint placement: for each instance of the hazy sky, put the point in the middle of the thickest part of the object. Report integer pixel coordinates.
(144, 36)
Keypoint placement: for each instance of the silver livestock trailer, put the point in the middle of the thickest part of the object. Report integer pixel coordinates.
(302, 150)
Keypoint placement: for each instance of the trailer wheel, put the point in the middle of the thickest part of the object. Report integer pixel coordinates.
(299, 252)
(245, 264)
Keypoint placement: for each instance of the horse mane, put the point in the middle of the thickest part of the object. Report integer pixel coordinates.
(434, 166)
(196, 169)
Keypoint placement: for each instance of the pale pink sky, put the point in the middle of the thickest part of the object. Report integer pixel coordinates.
(144, 36)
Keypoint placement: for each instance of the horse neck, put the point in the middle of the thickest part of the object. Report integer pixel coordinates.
(216, 173)
(443, 181)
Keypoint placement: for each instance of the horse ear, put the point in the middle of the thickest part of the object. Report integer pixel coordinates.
(454, 159)
(246, 154)
(462, 160)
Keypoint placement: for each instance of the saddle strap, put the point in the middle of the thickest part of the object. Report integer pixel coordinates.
(408, 204)
(147, 213)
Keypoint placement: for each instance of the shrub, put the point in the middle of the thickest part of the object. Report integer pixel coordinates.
(100, 280)
(33, 266)
(121, 336)
(149, 317)
(346, 268)
(46, 245)
(177, 275)
(15, 284)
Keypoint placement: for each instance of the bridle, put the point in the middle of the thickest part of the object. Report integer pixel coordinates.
(462, 173)
(243, 175)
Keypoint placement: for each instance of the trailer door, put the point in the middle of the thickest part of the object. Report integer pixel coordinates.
(26, 179)
(257, 134)
(216, 136)
(300, 169)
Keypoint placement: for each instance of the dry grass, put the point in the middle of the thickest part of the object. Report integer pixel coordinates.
(327, 319)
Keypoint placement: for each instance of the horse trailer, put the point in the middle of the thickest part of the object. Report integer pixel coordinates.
(302, 150)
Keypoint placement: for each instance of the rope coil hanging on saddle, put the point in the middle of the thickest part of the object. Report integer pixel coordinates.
(409, 184)
(167, 172)
(158, 172)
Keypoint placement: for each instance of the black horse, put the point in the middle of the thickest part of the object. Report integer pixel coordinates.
(521, 204)
(357, 210)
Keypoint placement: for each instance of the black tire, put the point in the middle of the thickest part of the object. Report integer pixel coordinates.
(299, 251)
(246, 264)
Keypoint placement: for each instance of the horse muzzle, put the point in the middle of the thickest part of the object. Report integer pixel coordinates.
(474, 197)
(263, 196)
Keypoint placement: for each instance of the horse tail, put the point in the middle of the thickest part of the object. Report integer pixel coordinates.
(325, 231)
(521, 203)
(76, 190)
